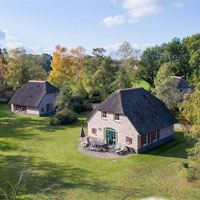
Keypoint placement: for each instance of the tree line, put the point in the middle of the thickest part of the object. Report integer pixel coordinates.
(83, 79)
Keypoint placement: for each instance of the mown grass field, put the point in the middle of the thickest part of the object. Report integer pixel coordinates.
(143, 84)
(54, 159)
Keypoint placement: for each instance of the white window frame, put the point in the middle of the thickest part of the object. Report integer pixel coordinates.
(155, 132)
(127, 140)
(104, 116)
(145, 136)
(115, 117)
(95, 131)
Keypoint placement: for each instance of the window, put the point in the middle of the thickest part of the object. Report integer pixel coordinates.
(129, 140)
(104, 114)
(117, 116)
(48, 107)
(23, 108)
(144, 139)
(94, 131)
(42, 109)
(154, 136)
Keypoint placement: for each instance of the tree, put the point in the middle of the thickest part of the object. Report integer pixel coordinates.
(166, 87)
(67, 65)
(177, 54)
(126, 51)
(62, 66)
(98, 52)
(193, 47)
(149, 64)
(104, 76)
(190, 110)
(3, 76)
(122, 80)
(44, 61)
(64, 98)
(128, 59)
(23, 67)
(18, 68)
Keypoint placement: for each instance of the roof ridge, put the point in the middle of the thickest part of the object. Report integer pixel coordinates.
(127, 89)
(179, 77)
(37, 81)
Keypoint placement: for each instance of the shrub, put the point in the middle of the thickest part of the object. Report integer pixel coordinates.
(63, 117)
(87, 106)
(77, 107)
(193, 173)
(185, 165)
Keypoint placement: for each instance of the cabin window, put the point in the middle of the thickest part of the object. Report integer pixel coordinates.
(104, 114)
(48, 107)
(117, 116)
(23, 108)
(94, 131)
(51, 107)
(144, 139)
(154, 136)
(129, 140)
(42, 109)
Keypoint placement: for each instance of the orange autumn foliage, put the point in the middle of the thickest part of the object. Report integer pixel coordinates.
(66, 64)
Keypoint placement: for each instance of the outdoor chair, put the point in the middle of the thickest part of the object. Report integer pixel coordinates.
(121, 150)
(116, 148)
(87, 144)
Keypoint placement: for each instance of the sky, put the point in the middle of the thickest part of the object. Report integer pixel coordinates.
(40, 25)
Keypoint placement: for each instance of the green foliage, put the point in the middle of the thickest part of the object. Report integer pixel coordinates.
(23, 67)
(69, 99)
(184, 55)
(63, 117)
(166, 87)
(193, 46)
(122, 80)
(99, 74)
(149, 64)
(190, 109)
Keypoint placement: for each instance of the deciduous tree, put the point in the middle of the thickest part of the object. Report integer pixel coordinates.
(166, 87)
(190, 110)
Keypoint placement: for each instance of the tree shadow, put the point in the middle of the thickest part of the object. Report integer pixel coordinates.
(45, 174)
(177, 148)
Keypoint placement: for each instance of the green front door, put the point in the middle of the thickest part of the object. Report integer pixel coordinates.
(111, 137)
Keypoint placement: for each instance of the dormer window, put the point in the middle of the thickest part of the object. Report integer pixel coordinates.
(104, 114)
(117, 116)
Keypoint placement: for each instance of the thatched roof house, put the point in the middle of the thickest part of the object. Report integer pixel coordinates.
(135, 115)
(183, 85)
(35, 98)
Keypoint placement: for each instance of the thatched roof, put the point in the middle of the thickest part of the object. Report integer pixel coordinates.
(181, 82)
(31, 93)
(145, 111)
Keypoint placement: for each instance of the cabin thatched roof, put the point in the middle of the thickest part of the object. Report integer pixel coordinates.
(31, 93)
(181, 82)
(145, 111)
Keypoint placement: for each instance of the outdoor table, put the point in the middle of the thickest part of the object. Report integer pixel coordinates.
(98, 144)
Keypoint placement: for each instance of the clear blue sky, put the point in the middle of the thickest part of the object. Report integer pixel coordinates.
(39, 25)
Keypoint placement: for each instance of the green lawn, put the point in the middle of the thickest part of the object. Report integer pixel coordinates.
(54, 159)
(143, 84)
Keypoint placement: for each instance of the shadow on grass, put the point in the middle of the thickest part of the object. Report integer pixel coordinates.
(176, 148)
(44, 174)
